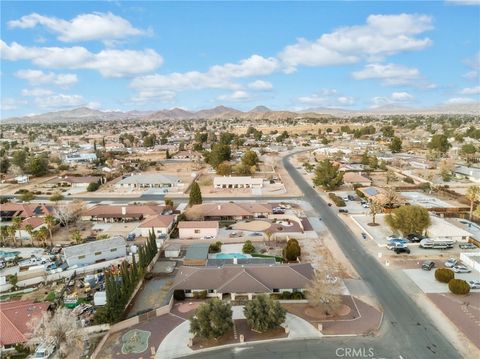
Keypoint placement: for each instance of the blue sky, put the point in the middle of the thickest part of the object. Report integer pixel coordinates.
(193, 55)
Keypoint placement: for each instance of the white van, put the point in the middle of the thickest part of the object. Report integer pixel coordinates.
(437, 243)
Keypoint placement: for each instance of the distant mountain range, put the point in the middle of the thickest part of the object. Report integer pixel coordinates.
(84, 114)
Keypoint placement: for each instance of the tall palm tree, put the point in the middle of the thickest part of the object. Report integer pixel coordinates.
(29, 229)
(43, 234)
(50, 222)
(16, 222)
(35, 236)
(12, 233)
(4, 234)
(473, 195)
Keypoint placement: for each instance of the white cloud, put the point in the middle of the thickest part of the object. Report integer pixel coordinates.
(59, 101)
(460, 100)
(36, 92)
(235, 96)
(471, 90)
(327, 98)
(161, 95)
(401, 97)
(463, 2)
(84, 27)
(260, 85)
(218, 76)
(394, 98)
(109, 62)
(381, 36)
(9, 104)
(392, 74)
(38, 77)
(474, 64)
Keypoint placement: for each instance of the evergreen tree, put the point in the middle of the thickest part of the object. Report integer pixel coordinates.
(195, 195)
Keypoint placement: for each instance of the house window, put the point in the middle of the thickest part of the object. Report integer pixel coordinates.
(210, 291)
(188, 291)
(197, 231)
(294, 290)
(98, 253)
(81, 257)
(276, 290)
(113, 250)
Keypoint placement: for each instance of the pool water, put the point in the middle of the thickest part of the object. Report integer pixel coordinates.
(231, 255)
(8, 254)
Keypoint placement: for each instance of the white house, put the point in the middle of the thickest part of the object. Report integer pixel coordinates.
(80, 157)
(152, 180)
(471, 173)
(237, 182)
(197, 229)
(161, 225)
(93, 252)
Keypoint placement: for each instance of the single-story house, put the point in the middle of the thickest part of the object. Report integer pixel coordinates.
(237, 182)
(152, 180)
(197, 229)
(197, 255)
(117, 213)
(74, 181)
(352, 178)
(35, 222)
(173, 250)
(80, 157)
(10, 210)
(15, 318)
(93, 252)
(470, 173)
(245, 280)
(229, 211)
(187, 155)
(161, 225)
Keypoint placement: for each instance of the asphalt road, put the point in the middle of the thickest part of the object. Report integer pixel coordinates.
(406, 331)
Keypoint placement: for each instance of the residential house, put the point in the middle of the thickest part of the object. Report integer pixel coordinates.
(245, 280)
(80, 158)
(353, 178)
(74, 181)
(121, 213)
(152, 180)
(161, 225)
(187, 155)
(35, 222)
(94, 252)
(197, 229)
(10, 210)
(237, 182)
(15, 319)
(470, 173)
(229, 211)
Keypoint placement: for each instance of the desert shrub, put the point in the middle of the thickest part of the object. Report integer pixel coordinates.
(179, 294)
(200, 294)
(248, 247)
(297, 296)
(444, 275)
(459, 286)
(292, 251)
(339, 202)
(276, 296)
(215, 247)
(359, 193)
(286, 295)
(409, 180)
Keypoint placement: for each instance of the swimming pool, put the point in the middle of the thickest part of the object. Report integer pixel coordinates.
(231, 255)
(8, 254)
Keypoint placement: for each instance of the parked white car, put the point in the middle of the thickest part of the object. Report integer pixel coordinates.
(451, 262)
(461, 269)
(474, 284)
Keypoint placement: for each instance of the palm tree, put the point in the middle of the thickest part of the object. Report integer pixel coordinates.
(29, 229)
(50, 222)
(43, 234)
(473, 195)
(16, 222)
(3, 234)
(35, 236)
(12, 233)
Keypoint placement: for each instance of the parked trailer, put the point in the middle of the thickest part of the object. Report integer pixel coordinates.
(437, 243)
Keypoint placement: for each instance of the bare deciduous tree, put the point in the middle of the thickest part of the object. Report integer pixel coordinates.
(61, 328)
(324, 291)
(375, 207)
(68, 212)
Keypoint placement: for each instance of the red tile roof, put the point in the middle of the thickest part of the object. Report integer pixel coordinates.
(157, 222)
(15, 317)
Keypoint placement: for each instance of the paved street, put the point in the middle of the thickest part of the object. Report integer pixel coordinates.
(407, 332)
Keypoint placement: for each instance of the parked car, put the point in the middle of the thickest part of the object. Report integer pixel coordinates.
(343, 210)
(351, 197)
(44, 351)
(399, 241)
(131, 237)
(474, 284)
(256, 234)
(208, 237)
(414, 237)
(395, 245)
(428, 265)
(365, 205)
(401, 249)
(467, 246)
(329, 204)
(461, 269)
(451, 262)
(393, 237)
